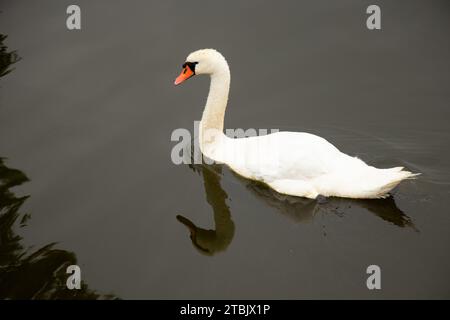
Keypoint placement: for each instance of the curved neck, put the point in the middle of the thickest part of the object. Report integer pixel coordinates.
(212, 121)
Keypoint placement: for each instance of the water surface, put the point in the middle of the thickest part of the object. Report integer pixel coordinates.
(85, 124)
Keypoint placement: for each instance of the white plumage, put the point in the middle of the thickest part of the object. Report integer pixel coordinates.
(292, 163)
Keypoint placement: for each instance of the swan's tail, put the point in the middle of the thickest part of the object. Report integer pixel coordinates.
(378, 182)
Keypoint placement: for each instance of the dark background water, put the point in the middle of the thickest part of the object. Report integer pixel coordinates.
(87, 117)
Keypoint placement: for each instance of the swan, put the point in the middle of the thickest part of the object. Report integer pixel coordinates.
(292, 163)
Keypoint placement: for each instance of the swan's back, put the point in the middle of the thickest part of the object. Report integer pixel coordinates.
(294, 155)
(304, 164)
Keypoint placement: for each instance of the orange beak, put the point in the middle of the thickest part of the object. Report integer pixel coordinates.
(185, 74)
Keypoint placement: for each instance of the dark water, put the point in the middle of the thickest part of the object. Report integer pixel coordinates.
(85, 124)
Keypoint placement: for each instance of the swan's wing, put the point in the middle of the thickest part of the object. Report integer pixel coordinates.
(282, 155)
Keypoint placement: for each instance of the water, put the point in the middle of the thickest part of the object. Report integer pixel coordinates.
(85, 124)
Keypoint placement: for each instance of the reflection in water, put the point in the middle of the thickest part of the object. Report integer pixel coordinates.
(297, 208)
(23, 275)
(211, 241)
(37, 275)
(303, 209)
(6, 58)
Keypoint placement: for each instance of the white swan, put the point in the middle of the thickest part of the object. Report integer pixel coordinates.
(293, 163)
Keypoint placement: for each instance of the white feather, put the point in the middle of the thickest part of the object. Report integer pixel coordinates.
(292, 163)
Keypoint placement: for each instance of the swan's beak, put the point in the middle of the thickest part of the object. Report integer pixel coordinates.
(185, 74)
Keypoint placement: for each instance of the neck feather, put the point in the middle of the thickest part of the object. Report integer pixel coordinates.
(211, 125)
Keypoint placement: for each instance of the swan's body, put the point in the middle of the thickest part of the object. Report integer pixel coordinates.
(292, 163)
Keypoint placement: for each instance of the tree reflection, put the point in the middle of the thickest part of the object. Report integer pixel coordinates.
(40, 274)
(6, 58)
(30, 275)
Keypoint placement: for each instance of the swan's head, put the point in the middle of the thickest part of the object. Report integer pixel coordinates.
(204, 61)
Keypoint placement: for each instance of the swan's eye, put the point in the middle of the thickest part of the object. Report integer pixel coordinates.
(190, 66)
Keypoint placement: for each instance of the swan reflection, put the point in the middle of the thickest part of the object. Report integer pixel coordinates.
(297, 209)
(303, 209)
(211, 241)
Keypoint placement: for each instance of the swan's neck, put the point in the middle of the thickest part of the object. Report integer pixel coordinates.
(211, 125)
